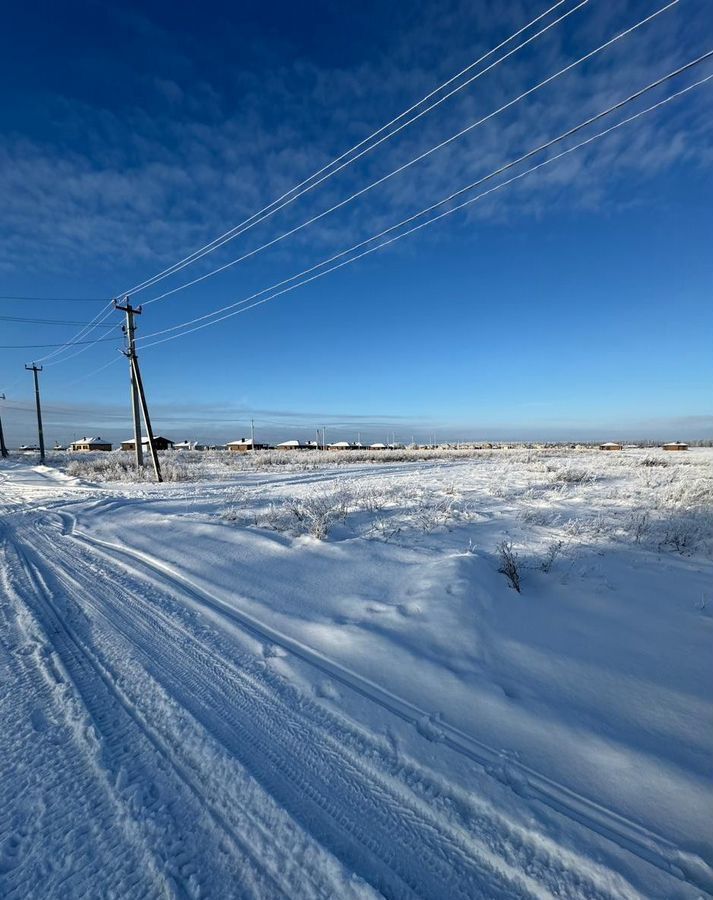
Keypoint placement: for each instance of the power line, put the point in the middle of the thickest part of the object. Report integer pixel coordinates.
(421, 156)
(56, 299)
(96, 322)
(233, 232)
(447, 212)
(92, 372)
(60, 411)
(323, 174)
(42, 346)
(31, 321)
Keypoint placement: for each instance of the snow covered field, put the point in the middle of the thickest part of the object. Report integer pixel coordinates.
(483, 676)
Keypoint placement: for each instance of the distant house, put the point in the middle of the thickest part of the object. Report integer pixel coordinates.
(675, 445)
(89, 444)
(377, 446)
(295, 445)
(611, 445)
(26, 448)
(188, 445)
(159, 442)
(245, 444)
(340, 445)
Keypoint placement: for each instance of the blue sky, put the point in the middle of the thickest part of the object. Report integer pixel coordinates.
(575, 303)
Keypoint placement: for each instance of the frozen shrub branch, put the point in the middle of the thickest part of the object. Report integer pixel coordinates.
(509, 564)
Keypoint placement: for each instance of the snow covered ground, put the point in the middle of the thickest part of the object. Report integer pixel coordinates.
(320, 680)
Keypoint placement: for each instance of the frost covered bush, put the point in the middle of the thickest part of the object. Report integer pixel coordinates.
(688, 493)
(638, 525)
(315, 515)
(651, 462)
(567, 475)
(509, 564)
(374, 499)
(544, 518)
(553, 551)
(432, 512)
(685, 532)
(174, 469)
(389, 510)
(589, 527)
(121, 466)
(235, 507)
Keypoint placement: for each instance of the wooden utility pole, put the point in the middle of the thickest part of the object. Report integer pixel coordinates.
(35, 369)
(252, 434)
(147, 419)
(138, 397)
(130, 331)
(3, 448)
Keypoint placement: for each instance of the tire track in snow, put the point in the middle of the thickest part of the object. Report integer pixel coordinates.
(51, 783)
(623, 832)
(154, 803)
(388, 837)
(297, 857)
(247, 713)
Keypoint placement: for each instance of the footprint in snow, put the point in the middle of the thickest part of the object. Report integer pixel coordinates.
(428, 727)
(327, 690)
(38, 720)
(409, 609)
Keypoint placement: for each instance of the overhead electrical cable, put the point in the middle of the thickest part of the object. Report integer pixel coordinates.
(96, 322)
(39, 346)
(341, 162)
(87, 328)
(62, 411)
(420, 157)
(83, 377)
(232, 311)
(30, 321)
(249, 222)
(57, 299)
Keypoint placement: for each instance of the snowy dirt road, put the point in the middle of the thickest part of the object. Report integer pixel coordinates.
(155, 742)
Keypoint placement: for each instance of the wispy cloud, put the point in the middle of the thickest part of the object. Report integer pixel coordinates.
(145, 183)
(221, 422)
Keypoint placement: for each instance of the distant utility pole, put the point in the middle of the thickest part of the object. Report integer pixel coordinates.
(35, 369)
(3, 448)
(316, 431)
(138, 397)
(252, 434)
(324, 438)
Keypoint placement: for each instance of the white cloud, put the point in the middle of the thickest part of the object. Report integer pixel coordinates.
(143, 186)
